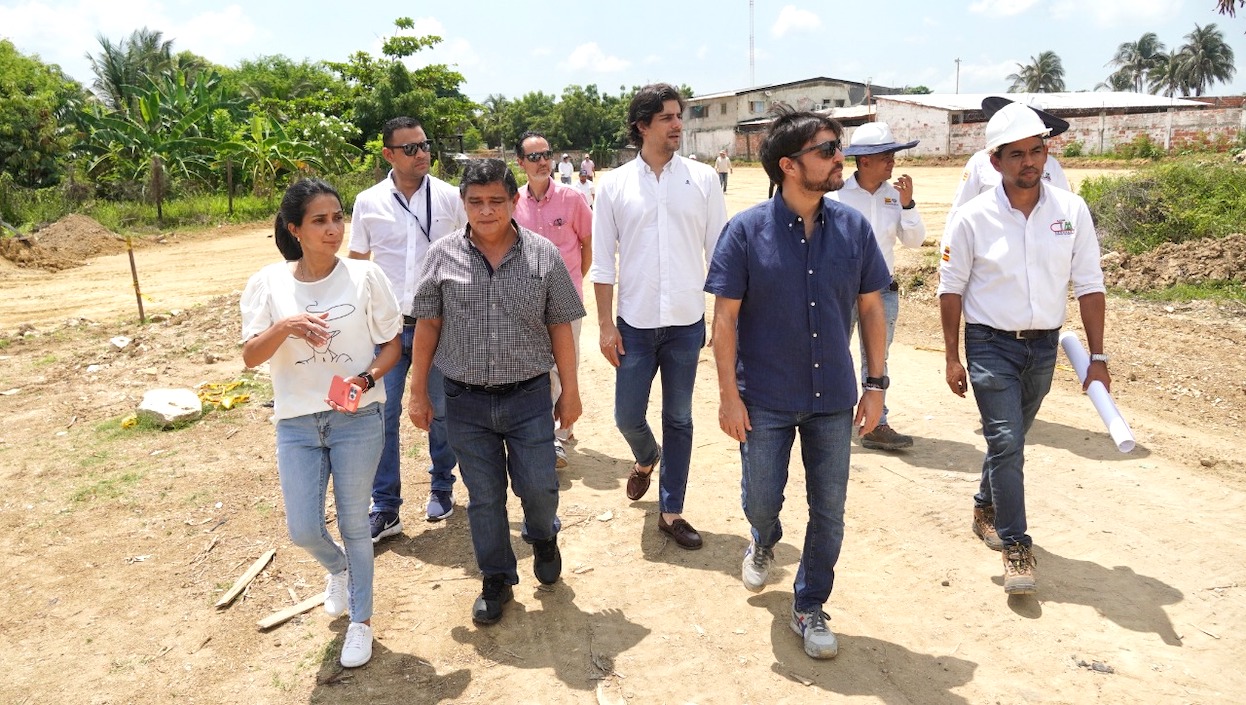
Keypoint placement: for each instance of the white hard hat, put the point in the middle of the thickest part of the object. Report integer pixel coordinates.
(1013, 122)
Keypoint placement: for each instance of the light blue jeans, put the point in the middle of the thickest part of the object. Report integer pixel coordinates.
(387, 487)
(1010, 377)
(891, 308)
(346, 447)
(825, 443)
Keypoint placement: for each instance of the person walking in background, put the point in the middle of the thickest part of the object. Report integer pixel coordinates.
(786, 276)
(314, 317)
(393, 223)
(558, 214)
(1009, 256)
(586, 188)
(722, 165)
(587, 166)
(892, 213)
(495, 305)
(656, 221)
(565, 167)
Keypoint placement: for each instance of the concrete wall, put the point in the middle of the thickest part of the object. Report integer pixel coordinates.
(941, 134)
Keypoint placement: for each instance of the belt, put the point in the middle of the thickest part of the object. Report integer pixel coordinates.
(494, 388)
(409, 320)
(893, 286)
(1032, 334)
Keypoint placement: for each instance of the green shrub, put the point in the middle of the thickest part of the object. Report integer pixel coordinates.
(1140, 147)
(1073, 149)
(1179, 200)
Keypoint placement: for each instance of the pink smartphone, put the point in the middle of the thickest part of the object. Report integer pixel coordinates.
(345, 394)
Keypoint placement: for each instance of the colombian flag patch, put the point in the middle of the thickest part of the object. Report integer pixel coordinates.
(947, 253)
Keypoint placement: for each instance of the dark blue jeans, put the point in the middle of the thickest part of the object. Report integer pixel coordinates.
(497, 436)
(387, 487)
(1010, 377)
(674, 351)
(825, 443)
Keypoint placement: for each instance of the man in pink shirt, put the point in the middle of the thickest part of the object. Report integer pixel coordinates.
(559, 214)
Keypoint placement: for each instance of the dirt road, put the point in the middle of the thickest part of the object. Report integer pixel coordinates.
(116, 546)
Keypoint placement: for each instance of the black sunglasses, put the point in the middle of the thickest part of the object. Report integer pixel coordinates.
(535, 157)
(827, 148)
(411, 148)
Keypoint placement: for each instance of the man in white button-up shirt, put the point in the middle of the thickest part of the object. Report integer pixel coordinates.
(1008, 258)
(893, 215)
(394, 222)
(660, 216)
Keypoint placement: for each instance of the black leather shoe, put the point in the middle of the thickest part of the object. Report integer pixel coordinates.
(546, 560)
(495, 593)
(682, 532)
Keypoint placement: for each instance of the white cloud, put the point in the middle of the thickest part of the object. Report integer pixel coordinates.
(204, 34)
(1001, 8)
(456, 52)
(590, 57)
(1113, 13)
(793, 19)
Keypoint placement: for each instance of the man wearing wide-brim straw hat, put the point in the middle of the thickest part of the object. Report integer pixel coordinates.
(892, 213)
(979, 176)
(1009, 256)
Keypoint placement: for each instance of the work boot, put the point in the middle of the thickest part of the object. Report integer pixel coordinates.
(984, 527)
(1019, 565)
(884, 437)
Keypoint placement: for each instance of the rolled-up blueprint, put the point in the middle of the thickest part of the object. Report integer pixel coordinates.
(1122, 436)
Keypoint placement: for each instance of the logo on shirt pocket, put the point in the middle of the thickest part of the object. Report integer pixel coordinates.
(1062, 227)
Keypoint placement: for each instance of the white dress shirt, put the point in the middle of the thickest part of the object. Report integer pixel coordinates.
(663, 232)
(887, 216)
(1014, 272)
(397, 232)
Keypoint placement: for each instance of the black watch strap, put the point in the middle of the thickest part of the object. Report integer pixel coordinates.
(878, 382)
(367, 377)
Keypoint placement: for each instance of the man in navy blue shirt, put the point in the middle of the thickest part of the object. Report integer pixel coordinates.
(785, 275)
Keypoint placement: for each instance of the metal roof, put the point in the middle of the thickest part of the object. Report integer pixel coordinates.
(1048, 101)
(785, 84)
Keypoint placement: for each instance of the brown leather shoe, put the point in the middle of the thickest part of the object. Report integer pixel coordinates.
(638, 482)
(681, 531)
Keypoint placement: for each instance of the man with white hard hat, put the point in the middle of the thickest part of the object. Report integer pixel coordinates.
(1009, 256)
(892, 213)
(979, 176)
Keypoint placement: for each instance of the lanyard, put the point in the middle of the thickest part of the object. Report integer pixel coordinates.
(428, 209)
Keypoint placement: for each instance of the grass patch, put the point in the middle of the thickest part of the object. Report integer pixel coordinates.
(45, 361)
(108, 487)
(1172, 201)
(1211, 291)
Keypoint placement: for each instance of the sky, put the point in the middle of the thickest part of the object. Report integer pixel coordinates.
(510, 49)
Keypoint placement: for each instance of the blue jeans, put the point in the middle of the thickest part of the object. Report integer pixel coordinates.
(825, 441)
(387, 488)
(497, 436)
(1010, 377)
(344, 446)
(675, 351)
(891, 309)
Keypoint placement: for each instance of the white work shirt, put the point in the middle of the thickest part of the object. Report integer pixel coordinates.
(979, 177)
(663, 233)
(586, 190)
(891, 223)
(396, 230)
(1014, 273)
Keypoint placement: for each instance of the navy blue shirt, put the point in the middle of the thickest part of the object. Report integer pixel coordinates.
(796, 296)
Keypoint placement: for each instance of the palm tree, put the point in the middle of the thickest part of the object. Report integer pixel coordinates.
(1208, 58)
(1225, 7)
(1044, 74)
(1136, 59)
(1168, 75)
(1118, 80)
(121, 69)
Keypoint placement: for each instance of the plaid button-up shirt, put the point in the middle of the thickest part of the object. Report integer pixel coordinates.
(495, 322)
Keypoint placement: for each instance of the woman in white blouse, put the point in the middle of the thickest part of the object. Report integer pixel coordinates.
(314, 317)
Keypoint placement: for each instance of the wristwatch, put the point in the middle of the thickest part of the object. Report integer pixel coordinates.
(1099, 357)
(910, 206)
(367, 377)
(877, 382)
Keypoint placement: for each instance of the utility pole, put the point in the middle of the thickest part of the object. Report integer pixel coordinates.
(958, 75)
(752, 69)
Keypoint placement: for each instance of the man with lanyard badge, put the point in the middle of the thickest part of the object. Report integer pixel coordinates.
(394, 222)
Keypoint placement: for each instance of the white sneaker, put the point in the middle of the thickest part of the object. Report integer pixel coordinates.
(357, 649)
(336, 599)
(560, 455)
(756, 567)
(820, 641)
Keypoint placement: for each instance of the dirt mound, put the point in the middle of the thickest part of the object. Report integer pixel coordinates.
(65, 244)
(1207, 259)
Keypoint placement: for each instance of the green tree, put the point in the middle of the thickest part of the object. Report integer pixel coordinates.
(121, 69)
(265, 151)
(1118, 80)
(1168, 76)
(580, 118)
(1208, 59)
(1044, 74)
(1137, 59)
(284, 88)
(36, 121)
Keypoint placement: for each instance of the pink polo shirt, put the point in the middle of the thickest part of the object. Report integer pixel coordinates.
(563, 218)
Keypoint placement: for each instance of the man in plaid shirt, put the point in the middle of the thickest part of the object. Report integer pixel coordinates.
(495, 305)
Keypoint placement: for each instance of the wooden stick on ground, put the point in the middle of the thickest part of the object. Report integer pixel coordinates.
(246, 578)
(288, 613)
